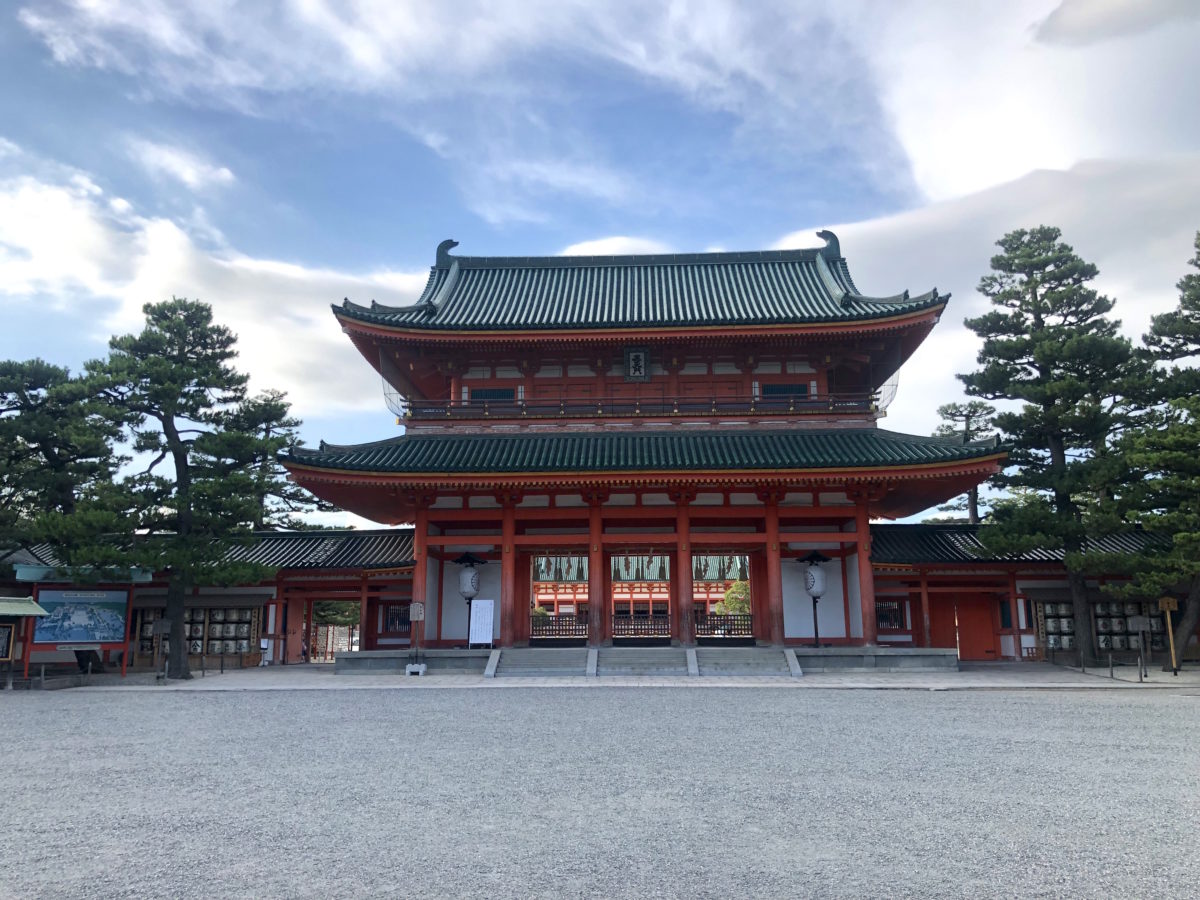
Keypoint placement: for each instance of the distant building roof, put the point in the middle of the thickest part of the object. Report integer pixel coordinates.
(771, 287)
(609, 451)
(947, 544)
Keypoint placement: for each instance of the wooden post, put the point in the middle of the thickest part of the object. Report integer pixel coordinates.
(926, 628)
(683, 577)
(774, 573)
(1018, 653)
(866, 575)
(597, 605)
(420, 586)
(508, 572)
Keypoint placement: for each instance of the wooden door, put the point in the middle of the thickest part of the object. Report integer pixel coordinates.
(942, 631)
(976, 631)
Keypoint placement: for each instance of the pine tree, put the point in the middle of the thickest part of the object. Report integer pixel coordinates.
(971, 421)
(1049, 344)
(1164, 456)
(194, 502)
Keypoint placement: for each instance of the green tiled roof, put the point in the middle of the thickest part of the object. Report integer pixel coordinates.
(772, 287)
(957, 543)
(612, 451)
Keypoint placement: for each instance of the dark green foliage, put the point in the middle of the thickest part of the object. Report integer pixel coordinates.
(971, 421)
(258, 430)
(736, 601)
(1049, 345)
(336, 612)
(56, 447)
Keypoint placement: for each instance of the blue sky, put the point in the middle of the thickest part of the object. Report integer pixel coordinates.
(273, 157)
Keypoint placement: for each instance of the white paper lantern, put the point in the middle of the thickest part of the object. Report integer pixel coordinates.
(814, 581)
(468, 582)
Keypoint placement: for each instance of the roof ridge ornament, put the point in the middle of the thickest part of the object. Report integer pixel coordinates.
(833, 247)
(444, 260)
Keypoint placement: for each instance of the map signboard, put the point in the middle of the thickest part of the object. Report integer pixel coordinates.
(74, 617)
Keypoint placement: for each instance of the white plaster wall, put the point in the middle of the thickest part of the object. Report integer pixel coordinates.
(432, 599)
(454, 614)
(853, 597)
(797, 603)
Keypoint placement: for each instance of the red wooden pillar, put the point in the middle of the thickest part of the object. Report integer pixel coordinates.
(420, 581)
(508, 572)
(758, 597)
(774, 573)
(866, 575)
(683, 575)
(926, 634)
(364, 623)
(597, 601)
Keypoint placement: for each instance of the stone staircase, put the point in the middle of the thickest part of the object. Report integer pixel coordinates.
(542, 661)
(641, 661)
(742, 661)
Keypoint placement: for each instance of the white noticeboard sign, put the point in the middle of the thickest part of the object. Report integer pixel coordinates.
(480, 631)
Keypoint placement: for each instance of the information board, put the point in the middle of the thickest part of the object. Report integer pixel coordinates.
(480, 631)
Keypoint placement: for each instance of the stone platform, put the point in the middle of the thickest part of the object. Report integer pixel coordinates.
(554, 661)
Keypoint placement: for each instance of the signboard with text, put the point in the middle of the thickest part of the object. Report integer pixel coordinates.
(480, 631)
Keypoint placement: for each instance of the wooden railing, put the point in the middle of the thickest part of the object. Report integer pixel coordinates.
(624, 408)
(641, 626)
(564, 625)
(728, 626)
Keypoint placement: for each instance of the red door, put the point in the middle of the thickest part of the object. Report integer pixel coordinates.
(976, 631)
(964, 622)
(941, 622)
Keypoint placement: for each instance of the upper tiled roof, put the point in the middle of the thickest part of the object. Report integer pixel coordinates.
(772, 287)
(957, 543)
(615, 451)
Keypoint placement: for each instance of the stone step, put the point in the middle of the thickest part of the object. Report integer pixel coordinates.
(546, 662)
(641, 661)
(741, 661)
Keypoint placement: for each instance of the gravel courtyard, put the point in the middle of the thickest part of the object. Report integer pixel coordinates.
(638, 792)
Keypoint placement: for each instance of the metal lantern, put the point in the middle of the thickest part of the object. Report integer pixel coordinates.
(468, 583)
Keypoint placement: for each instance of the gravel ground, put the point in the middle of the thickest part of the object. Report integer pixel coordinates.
(638, 792)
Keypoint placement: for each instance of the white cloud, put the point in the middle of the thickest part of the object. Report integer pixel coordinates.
(64, 242)
(617, 245)
(1079, 22)
(184, 166)
(952, 97)
(1135, 220)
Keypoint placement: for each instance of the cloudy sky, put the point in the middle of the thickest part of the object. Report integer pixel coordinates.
(273, 157)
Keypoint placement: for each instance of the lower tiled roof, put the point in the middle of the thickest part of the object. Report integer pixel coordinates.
(350, 549)
(615, 451)
(960, 544)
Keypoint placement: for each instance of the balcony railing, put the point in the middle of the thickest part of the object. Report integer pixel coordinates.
(580, 408)
(564, 625)
(728, 626)
(641, 626)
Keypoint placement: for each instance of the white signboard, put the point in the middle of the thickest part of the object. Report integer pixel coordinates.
(416, 612)
(480, 631)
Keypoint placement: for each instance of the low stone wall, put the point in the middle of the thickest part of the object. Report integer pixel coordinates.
(876, 659)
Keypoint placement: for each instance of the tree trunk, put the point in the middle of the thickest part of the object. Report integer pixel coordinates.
(1085, 638)
(177, 662)
(973, 506)
(1185, 627)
